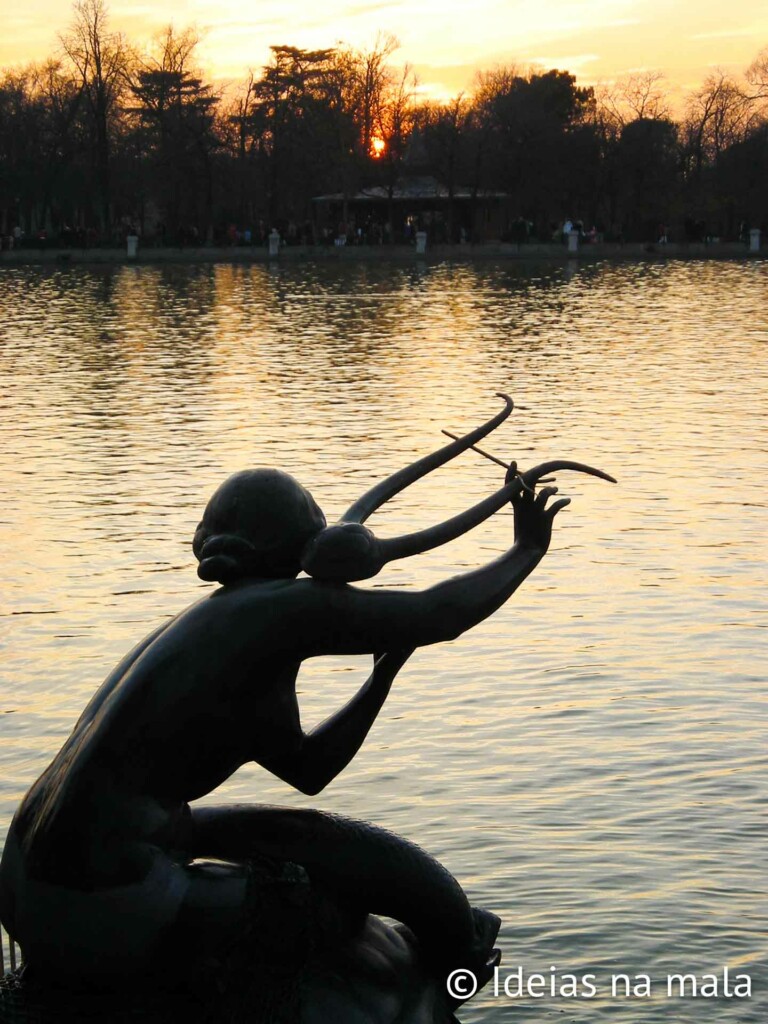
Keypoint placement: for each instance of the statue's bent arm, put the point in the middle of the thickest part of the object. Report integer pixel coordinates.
(327, 750)
(339, 619)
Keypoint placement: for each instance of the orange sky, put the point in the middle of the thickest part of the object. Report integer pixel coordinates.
(446, 40)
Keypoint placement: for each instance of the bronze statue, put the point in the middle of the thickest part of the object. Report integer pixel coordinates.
(110, 877)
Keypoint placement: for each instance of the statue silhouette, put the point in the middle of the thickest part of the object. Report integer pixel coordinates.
(111, 876)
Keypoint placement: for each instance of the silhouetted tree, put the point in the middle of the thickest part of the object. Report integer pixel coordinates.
(174, 114)
(637, 97)
(302, 125)
(757, 75)
(649, 172)
(101, 60)
(446, 130)
(239, 136)
(526, 121)
(63, 144)
(372, 80)
(395, 119)
(717, 116)
(741, 176)
(20, 148)
(103, 135)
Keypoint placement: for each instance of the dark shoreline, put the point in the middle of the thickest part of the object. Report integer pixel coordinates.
(396, 253)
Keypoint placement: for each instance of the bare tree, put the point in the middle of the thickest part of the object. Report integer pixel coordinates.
(718, 115)
(373, 78)
(639, 96)
(238, 121)
(395, 120)
(757, 75)
(496, 81)
(101, 60)
(61, 102)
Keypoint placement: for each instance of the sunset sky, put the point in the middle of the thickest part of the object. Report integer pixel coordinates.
(446, 40)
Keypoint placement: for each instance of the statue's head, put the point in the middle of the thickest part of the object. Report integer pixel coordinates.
(263, 523)
(256, 525)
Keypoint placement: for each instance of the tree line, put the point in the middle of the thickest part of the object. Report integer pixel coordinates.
(102, 139)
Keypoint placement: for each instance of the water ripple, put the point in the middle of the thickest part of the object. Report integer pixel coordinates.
(591, 761)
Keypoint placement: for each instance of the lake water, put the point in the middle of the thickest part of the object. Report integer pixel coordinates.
(591, 762)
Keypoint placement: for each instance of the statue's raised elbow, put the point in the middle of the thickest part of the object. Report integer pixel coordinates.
(312, 787)
(310, 783)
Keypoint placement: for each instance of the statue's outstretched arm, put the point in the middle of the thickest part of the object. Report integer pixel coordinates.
(326, 751)
(340, 619)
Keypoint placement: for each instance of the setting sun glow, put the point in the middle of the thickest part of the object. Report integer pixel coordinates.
(597, 42)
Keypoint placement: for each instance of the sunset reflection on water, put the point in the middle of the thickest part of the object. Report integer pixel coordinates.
(590, 762)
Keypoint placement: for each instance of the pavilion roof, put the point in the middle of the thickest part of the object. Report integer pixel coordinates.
(422, 187)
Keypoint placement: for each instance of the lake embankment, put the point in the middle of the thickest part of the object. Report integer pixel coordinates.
(398, 253)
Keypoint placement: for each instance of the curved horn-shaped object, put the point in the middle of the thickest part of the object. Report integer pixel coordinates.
(348, 552)
(434, 536)
(386, 489)
(532, 476)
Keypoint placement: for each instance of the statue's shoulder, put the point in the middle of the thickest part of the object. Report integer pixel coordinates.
(266, 596)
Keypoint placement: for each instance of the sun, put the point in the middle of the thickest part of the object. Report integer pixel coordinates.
(378, 146)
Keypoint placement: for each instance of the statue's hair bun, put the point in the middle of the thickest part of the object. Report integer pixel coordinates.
(255, 525)
(224, 558)
(219, 569)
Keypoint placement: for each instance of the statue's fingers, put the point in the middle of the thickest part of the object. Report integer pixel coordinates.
(546, 492)
(559, 504)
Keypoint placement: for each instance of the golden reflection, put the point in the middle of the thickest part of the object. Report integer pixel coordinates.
(602, 733)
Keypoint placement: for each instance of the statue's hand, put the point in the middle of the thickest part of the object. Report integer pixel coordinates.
(533, 520)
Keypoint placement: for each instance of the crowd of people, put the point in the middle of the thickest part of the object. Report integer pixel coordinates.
(360, 230)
